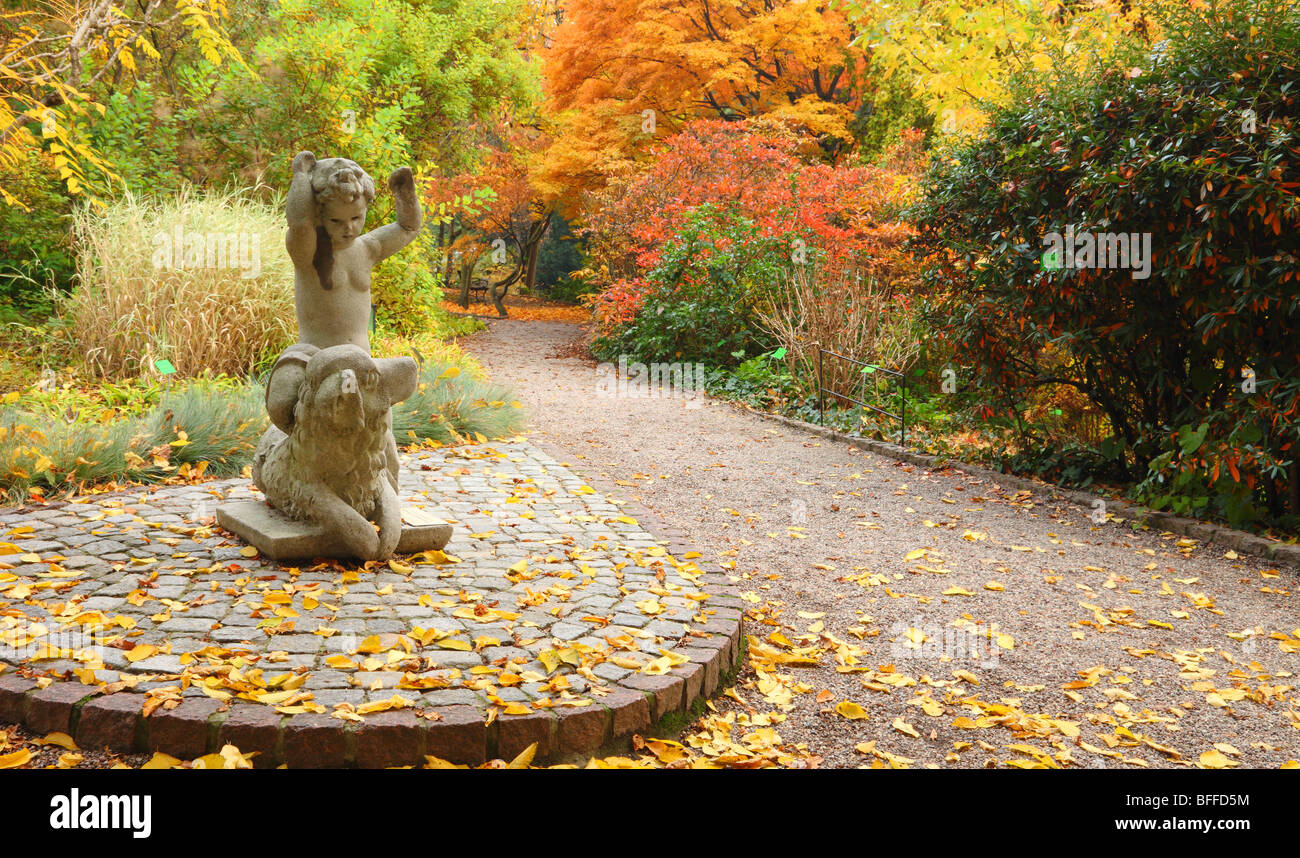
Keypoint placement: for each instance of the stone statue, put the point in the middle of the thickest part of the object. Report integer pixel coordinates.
(332, 259)
(329, 461)
(333, 466)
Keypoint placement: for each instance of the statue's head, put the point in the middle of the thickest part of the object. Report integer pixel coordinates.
(343, 193)
(343, 393)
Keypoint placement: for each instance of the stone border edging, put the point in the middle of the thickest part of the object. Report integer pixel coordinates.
(456, 733)
(1204, 531)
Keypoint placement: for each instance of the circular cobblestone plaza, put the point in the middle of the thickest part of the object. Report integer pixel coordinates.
(554, 617)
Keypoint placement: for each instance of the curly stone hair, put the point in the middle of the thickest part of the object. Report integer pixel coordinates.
(341, 179)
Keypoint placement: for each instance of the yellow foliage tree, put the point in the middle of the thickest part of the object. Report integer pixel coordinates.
(56, 54)
(958, 53)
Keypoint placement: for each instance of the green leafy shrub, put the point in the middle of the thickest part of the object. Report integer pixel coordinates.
(1192, 141)
(405, 290)
(762, 381)
(36, 255)
(1190, 479)
(711, 279)
(139, 134)
(572, 288)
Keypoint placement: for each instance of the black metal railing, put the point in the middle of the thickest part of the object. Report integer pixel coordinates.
(867, 369)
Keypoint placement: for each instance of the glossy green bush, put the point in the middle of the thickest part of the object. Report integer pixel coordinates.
(710, 280)
(1195, 141)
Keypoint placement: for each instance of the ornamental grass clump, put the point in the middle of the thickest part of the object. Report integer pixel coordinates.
(200, 279)
(206, 426)
(211, 427)
(449, 405)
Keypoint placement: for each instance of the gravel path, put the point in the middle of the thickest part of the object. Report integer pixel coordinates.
(1092, 646)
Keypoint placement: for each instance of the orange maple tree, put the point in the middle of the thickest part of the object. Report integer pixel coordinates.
(621, 73)
(495, 210)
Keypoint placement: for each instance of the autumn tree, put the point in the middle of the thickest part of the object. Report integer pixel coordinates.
(516, 220)
(622, 73)
(59, 59)
(493, 211)
(391, 81)
(451, 203)
(958, 55)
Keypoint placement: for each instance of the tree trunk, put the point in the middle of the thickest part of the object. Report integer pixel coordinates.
(535, 235)
(465, 275)
(442, 252)
(465, 278)
(498, 292)
(530, 272)
(449, 263)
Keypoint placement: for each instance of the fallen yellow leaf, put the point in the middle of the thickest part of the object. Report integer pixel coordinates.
(851, 710)
(525, 757)
(903, 727)
(161, 761)
(16, 759)
(140, 652)
(1215, 760)
(63, 740)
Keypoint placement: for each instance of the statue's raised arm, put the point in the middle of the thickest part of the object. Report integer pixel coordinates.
(301, 211)
(386, 240)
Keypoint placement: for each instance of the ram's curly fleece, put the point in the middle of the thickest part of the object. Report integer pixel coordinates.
(351, 463)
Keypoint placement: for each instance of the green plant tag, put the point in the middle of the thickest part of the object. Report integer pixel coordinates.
(779, 353)
(164, 366)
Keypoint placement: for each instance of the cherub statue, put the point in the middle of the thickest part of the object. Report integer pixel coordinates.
(329, 462)
(332, 259)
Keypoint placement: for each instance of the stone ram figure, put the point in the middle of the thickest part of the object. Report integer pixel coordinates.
(332, 467)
